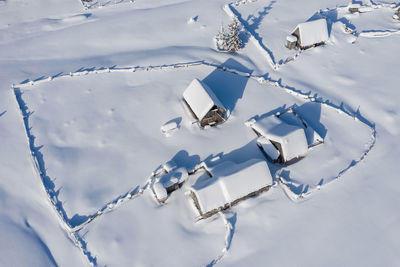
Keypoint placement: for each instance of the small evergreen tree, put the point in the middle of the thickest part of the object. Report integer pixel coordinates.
(234, 43)
(222, 39)
(229, 41)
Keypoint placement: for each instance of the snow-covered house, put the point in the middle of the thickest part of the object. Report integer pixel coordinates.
(204, 104)
(229, 184)
(309, 34)
(280, 141)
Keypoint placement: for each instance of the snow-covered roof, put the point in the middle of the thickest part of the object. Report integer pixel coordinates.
(312, 32)
(291, 38)
(291, 117)
(351, 5)
(231, 181)
(176, 176)
(268, 147)
(160, 192)
(201, 98)
(292, 138)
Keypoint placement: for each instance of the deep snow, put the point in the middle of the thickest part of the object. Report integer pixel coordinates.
(79, 148)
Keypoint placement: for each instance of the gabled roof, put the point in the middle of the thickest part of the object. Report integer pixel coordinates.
(201, 98)
(268, 147)
(292, 138)
(230, 182)
(291, 117)
(312, 32)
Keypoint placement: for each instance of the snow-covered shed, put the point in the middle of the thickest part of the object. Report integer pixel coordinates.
(229, 184)
(311, 33)
(204, 104)
(291, 116)
(168, 179)
(353, 8)
(289, 140)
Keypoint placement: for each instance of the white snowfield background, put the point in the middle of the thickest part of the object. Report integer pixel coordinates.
(85, 88)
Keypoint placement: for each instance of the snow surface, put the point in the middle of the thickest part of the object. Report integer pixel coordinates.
(81, 133)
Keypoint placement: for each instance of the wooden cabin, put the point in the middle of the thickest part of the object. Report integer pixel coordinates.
(285, 137)
(353, 8)
(227, 184)
(311, 33)
(280, 141)
(204, 104)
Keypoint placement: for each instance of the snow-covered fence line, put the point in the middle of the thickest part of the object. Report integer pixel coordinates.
(37, 159)
(307, 96)
(47, 184)
(268, 54)
(356, 115)
(89, 4)
(131, 194)
(242, 2)
(114, 69)
(231, 12)
(230, 229)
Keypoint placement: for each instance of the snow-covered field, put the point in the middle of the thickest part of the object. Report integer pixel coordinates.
(91, 106)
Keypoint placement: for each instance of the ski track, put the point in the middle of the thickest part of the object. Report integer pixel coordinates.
(49, 187)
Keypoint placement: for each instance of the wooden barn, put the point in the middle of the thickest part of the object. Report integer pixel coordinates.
(204, 104)
(286, 137)
(289, 141)
(227, 184)
(308, 34)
